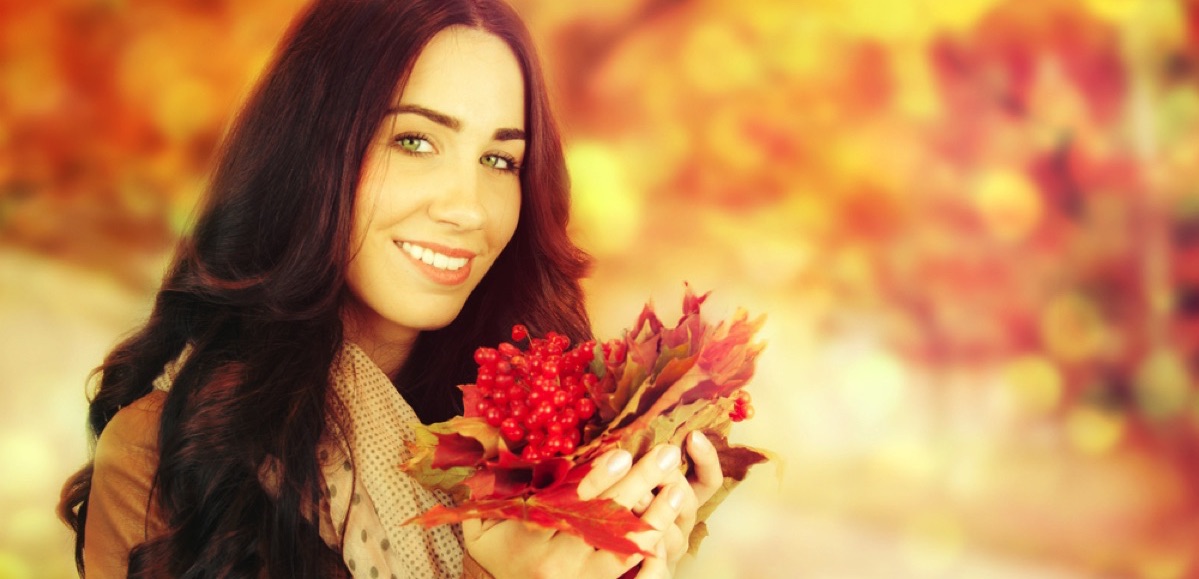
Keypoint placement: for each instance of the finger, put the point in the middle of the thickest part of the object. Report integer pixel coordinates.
(678, 541)
(605, 471)
(662, 513)
(646, 499)
(655, 567)
(649, 472)
(688, 511)
(708, 476)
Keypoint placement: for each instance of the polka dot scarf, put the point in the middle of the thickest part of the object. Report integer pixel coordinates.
(368, 497)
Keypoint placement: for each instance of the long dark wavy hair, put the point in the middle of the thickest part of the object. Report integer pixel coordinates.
(257, 287)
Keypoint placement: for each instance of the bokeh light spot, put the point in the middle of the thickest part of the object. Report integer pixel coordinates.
(1008, 204)
(1034, 384)
(1094, 431)
(607, 209)
(717, 59)
(1162, 384)
(12, 566)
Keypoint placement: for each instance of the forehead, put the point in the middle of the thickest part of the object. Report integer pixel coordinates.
(469, 74)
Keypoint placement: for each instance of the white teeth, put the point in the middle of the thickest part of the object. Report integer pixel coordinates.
(437, 260)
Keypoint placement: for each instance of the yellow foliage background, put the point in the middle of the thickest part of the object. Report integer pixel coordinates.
(971, 224)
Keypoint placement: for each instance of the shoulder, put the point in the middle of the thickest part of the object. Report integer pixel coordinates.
(134, 429)
(119, 511)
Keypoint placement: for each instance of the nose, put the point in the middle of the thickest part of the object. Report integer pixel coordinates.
(460, 202)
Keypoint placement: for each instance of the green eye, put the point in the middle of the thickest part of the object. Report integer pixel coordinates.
(495, 161)
(414, 144)
(499, 162)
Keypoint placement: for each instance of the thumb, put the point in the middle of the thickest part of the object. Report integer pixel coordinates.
(472, 529)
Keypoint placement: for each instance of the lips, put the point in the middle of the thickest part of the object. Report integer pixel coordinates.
(442, 265)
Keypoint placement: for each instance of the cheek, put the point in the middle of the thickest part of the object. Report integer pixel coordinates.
(512, 216)
(506, 212)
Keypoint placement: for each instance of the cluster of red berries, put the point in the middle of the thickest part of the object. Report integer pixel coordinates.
(537, 398)
(742, 409)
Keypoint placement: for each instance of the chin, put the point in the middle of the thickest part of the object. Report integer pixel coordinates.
(431, 320)
(431, 325)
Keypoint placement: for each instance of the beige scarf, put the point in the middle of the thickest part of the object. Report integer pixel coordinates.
(367, 497)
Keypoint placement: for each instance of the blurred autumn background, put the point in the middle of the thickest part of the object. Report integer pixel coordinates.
(973, 225)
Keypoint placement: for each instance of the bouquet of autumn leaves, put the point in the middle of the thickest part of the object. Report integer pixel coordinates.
(536, 417)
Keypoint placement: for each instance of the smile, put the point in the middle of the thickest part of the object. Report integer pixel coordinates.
(432, 258)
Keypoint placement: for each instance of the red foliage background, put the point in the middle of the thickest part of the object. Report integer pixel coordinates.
(972, 224)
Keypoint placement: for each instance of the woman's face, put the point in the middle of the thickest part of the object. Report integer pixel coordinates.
(440, 191)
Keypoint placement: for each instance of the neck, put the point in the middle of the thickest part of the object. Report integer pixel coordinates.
(386, 345)
(388, 356)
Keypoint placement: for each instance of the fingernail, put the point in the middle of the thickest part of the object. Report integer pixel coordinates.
(700, 440)
(668, 457)
(619, 462)
(675, 498)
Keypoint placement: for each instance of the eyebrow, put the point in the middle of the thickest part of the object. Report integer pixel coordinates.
(506, 134)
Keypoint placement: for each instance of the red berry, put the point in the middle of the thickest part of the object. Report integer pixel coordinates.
(518, 410)
(534, 420)
(560, 399)
(568, 445)
(519, 332)
(569, 417)
(531, 453)
(485, 380)
(494, 416)
(585, 407)
(485, 356)
(512, 434)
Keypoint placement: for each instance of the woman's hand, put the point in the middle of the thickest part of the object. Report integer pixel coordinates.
(511, 548)
(692, 493)
(654, 488)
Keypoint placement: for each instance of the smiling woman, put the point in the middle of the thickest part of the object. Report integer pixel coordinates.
(392, 196)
